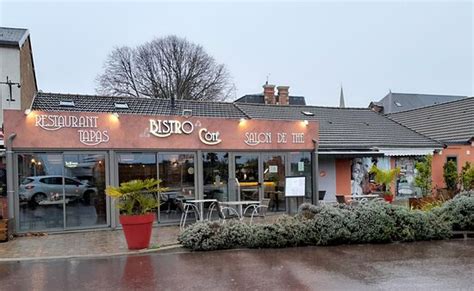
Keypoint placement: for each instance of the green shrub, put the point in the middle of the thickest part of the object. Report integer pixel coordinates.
(450, 174)
(375, 222)
(459, 211)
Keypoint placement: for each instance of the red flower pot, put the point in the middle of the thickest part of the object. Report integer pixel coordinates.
(388, 198)
(137, 229)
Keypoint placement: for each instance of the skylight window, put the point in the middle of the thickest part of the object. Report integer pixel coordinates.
(66, 103)
(398, 104)
(121, 105)
(307, 113)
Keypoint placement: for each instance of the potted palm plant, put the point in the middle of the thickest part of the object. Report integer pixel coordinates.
(385, 178)
(136, 200)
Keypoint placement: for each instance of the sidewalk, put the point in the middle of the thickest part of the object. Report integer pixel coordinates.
(98, 243)
(82, 244)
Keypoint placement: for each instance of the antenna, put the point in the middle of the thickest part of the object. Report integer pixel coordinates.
(268, 76)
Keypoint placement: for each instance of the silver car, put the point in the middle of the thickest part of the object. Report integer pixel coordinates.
(38, 188)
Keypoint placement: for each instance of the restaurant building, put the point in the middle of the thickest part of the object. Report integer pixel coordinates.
(66, 149)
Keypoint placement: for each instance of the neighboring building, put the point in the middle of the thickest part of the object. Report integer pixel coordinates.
(451, 123)
(16, 64)
(17, 84)
(399, 102)
(269, 97)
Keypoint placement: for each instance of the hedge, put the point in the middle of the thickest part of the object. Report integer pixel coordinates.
(375, 222)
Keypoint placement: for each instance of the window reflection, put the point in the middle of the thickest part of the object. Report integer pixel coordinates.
(177, 173)
(40, 191)
(246, 175)
(300, 165)
(84, 188)
(216, 175)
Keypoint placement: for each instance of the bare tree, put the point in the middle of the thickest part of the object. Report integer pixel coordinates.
(162, 68)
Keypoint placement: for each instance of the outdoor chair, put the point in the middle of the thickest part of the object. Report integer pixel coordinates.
(259, 210)
(231, 212)
(186, 208)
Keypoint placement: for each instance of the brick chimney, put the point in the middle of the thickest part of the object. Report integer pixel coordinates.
(283, 98)
(269, 94)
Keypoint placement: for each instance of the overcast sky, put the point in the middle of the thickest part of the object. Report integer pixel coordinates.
(426, 47)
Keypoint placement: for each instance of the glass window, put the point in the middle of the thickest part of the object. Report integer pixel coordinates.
(134, 166)
(84, 190)
(274, 181)
(300, 165)
(40, 204)
(176, 172)
(246, 175)
(216, 175)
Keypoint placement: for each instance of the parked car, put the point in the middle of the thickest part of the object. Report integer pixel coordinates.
(37, 188)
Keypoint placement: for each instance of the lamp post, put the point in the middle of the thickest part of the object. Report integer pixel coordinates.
(9, 83)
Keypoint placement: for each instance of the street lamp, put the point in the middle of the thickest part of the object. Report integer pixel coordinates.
(9, 83)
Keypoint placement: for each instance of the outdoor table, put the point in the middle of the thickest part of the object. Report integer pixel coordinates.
(240, 204)
(200, 205)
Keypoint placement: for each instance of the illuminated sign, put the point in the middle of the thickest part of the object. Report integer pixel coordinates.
(86, 125)
(165, 128)
(256, 138)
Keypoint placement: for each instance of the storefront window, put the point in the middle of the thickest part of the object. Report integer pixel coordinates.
(300, 165)
(216, 175)
(246, 175)
(274, 181)
(40, 191)
(177, 174)
(84, 185)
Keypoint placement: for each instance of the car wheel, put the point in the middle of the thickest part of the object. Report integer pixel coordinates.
(37, 198)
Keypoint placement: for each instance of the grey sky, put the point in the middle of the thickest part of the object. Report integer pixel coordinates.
(425, 47)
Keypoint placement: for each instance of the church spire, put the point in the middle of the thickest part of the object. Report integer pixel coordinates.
(342, 103)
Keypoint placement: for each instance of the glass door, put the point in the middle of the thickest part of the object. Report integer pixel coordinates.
(84, 190)
(247, 176)
(274, 181)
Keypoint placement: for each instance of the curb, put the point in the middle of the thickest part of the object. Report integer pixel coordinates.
(93, 256)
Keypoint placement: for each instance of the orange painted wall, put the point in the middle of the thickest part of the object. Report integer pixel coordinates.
(464, 153)
(343, 176)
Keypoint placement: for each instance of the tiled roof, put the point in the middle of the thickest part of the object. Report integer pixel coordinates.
(13, 36)
(399, 102)
(259, 99)
(340, 128)
(345, 128)
(451, 122)
(145, 106)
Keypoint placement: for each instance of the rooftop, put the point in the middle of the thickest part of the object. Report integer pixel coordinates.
(399, 102)
(340, 128)
(13, 36)
(450, 122)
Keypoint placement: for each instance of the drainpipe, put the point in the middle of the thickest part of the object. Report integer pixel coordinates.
(315, 170)
(10, 187)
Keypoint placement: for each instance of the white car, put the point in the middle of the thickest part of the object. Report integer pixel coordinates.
(38, 188)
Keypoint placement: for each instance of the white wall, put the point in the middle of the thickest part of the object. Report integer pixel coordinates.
(328, 182)
(9, 66)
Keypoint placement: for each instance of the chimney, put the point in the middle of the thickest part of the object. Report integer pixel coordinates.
(269, 93)
(283, 98)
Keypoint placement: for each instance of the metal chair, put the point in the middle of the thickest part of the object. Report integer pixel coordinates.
(186, 208)
(220, 212)
(259, 210)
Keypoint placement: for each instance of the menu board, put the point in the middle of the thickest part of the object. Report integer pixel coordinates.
(295, 186)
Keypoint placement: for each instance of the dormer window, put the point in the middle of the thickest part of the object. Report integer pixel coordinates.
(121, 105)
(66, 103)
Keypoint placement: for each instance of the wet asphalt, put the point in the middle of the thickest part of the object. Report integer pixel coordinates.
(439, 265)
